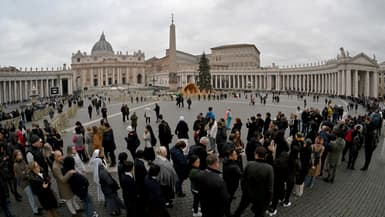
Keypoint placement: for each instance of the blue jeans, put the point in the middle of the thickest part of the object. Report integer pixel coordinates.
(31, 199)
(309, 181)
(88, 206)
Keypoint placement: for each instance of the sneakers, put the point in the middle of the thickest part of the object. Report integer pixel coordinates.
(272, 212)
(287, 204)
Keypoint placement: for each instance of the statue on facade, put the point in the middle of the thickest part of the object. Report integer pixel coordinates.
(343, 54)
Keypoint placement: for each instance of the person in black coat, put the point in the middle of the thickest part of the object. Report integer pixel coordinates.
(41, 186)
(281, 142)
(252, 145)
(79, 185)
(132, 141)
(221, 136)
(122, 157)
(140, 174)
(11, 147)
(212, 189)
(110, 190)
(231, 175)
(5, 202)
(180, 165)
(165, 136)
(257, 184)
(266, 124)
(127, 182)
(304, 150)
(153, 194)
(260, 123)
(182, 129)
(252, 126)
(281, 176)
(200, 150)
(109, 143)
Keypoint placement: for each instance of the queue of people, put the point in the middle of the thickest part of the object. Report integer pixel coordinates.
(276, 165)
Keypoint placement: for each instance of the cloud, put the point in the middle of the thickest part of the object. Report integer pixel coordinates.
(46, 32)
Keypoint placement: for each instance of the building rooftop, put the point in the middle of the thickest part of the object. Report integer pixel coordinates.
(235, 46)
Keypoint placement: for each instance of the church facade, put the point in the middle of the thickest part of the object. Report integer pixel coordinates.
(104, 67)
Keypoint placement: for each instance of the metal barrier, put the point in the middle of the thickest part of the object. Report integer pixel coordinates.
(61, 120)
(39, 114)
(13, 121)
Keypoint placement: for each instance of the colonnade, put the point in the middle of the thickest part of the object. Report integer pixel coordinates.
(15, 89)
(343, 82)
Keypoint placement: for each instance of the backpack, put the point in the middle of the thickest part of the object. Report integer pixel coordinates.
(376, 119)
(348, 137)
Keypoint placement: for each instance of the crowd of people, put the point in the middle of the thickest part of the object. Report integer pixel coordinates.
(268, 166)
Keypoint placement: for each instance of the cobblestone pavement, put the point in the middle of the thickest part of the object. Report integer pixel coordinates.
(354, 193)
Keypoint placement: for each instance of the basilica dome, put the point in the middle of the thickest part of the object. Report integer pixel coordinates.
(102, 47)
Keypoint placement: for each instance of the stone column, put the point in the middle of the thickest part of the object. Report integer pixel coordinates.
(323, 77)
(343, 80)
(333, 83)
(348, 83)
(313, 85)
(20, 91)
(14, 94)
(1, 92)
(374, 84)
(355, 83)
(367, 84)
(4, 83)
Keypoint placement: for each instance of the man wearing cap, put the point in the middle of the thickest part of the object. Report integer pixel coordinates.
(34, 153)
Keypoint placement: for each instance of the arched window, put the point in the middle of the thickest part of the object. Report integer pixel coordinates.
(139, 79)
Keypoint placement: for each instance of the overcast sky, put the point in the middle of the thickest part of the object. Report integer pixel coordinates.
(45, 33)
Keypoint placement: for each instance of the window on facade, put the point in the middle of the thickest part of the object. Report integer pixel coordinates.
(95, 82)
(109, 81)
(124, 80)
(78, 60)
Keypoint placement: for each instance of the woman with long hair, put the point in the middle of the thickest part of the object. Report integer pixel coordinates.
(149, 143)
(21, 173)
(41, 186)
